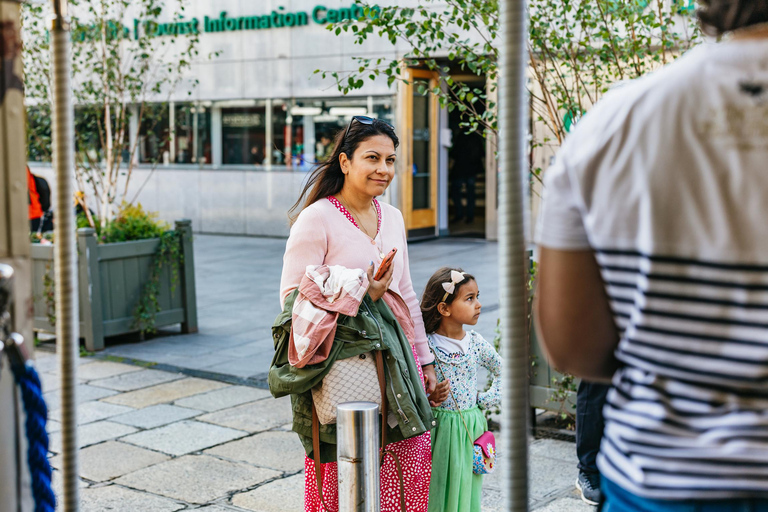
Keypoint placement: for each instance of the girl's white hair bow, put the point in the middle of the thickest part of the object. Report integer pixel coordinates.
(450, 287)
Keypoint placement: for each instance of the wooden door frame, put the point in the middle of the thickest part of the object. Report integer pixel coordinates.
(422, 218)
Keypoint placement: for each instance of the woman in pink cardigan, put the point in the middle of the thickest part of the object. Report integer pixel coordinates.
(342, 223)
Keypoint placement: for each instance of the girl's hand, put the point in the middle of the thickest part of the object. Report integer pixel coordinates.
(440, 395)
(430, 379)
(377, 289)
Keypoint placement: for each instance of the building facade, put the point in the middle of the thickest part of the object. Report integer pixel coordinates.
(243, 142)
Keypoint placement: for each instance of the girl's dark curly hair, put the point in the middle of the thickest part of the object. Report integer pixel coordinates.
(434, 293)
(720, 16)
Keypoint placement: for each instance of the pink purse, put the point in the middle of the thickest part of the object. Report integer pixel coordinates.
(485, 454)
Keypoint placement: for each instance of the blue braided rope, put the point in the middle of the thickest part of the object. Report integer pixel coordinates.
(37, 437)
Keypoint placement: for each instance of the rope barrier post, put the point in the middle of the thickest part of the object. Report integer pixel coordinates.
(513, 266)
(357, 435)
(67, 337)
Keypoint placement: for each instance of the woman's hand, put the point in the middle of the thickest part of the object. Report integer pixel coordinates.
(430, 379)
(440, 395)
(377, 289)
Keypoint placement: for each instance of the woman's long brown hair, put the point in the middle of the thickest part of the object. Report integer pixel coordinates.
(327, 179)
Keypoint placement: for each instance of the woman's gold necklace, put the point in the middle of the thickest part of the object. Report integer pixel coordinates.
(362, 227)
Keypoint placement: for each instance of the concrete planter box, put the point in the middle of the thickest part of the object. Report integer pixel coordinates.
(111, 278)
(540, 380)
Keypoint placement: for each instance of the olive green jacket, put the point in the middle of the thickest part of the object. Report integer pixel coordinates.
(374, 328)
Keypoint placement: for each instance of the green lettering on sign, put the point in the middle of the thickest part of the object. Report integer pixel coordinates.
(279, 18)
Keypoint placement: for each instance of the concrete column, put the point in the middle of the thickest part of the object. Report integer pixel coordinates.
(133, 131)
(309, 141)
(216, 136)
(195, 135)
(268, 135)
(172, 130)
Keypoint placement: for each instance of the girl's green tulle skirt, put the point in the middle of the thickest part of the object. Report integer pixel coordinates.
(454, 487)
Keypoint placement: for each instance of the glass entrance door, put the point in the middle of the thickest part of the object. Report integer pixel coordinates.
(420, 151)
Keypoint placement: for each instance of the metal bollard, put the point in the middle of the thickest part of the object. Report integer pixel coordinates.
(357, 449)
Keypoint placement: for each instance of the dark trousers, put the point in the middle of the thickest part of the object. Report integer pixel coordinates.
(590, 400)
(456, 196)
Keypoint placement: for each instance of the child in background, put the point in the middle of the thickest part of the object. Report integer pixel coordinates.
(451, 301)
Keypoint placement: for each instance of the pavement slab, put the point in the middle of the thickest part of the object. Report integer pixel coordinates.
(550, 477)
(223, 398)
(163, 393)
(274, 450)
(184, 437)
(57, 485)
(253, 417)
(118, 499)
(104, 369)
(155, 416)
(49, 381)
(93, 433)
(105, 461)
(278, 496)
(566, 505)
(137, 380)
(553, 449)
(83, 393)
(197, 479)
(93, 411)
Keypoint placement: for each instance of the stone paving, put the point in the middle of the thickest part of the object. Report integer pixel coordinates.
(238, 280)
(168, 442)
(183, 422)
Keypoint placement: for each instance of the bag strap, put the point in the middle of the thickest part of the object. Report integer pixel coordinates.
(316, 456)
(385, 411)
(450, 390)
(378, 356)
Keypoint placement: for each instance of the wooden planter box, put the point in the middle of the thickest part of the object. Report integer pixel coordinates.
(111, 278)
(540, 380)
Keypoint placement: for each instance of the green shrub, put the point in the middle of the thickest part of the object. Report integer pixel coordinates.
(132, 223)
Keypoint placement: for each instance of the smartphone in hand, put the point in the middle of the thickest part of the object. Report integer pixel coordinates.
(384, 267)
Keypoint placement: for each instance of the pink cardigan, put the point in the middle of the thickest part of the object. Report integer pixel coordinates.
(322, 235)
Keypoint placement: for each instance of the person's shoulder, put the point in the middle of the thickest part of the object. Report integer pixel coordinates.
(313, 214)
(641, 104)
(389, 211)
(477, 339)
(388, 208)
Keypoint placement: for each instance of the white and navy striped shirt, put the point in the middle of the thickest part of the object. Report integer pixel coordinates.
(667, 180)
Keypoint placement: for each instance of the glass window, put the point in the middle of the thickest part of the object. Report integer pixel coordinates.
(154, 144)
(304, 130)
(421, 147)
(193, 134)
(243, 130)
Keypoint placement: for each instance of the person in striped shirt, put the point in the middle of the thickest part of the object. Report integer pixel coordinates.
(653, 272)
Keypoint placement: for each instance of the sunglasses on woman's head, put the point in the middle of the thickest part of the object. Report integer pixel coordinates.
(359, 119)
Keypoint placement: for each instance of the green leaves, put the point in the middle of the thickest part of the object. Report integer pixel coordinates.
(119, 72)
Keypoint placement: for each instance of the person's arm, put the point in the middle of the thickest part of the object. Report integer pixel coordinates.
(489, 359)
(307, 245)
(573, 316)
(412, 301)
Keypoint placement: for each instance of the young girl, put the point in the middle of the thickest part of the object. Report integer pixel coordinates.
(451, 301)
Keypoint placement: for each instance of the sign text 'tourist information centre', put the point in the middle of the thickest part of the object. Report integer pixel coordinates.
(279, 18)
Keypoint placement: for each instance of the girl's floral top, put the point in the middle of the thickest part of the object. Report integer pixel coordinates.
(461, 369)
